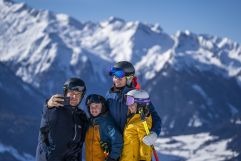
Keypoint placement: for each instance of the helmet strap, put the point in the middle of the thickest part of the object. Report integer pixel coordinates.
(129, 80)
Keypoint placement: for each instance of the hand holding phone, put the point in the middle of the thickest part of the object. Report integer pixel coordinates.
(65, 101)
(55, 101)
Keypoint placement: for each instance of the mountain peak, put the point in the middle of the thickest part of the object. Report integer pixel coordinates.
(186, 41)
(145, 27)
(156, 28)
(58, 36)
(180, 33)
(7, 1)
(10, 3)
(115, 22)
(113, 19)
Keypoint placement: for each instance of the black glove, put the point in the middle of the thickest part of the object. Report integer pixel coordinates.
(105, 148)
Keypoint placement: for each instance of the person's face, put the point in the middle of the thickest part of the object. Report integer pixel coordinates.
(119, 82)
(132, 108)
(75, 97)
(95, 109)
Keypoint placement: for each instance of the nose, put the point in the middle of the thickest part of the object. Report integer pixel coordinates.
(74, 96)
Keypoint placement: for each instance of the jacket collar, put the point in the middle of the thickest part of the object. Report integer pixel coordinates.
(122, 90)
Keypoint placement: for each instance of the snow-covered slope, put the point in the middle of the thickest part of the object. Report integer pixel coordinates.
(202, 52)
(39, 43)
(198, 147)
(54, 44)
(35, 42)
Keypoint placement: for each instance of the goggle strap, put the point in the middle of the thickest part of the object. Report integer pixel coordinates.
(130, 100)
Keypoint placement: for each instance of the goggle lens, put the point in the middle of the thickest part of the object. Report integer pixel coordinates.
(129, 100)
(119, 73)
(76, 88)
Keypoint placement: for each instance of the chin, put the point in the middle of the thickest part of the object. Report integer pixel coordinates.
(119, 86)
(74, 104)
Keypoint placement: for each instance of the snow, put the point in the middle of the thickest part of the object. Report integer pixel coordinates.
(238, 122)
(195, 121)
(193, 148)
(62, 18)
(15, 153)
(234, 110)
(202, 93)
(36, 42)
(46, 39)
(156, 28)
(153, 62)
(76, 56)
(172, 124)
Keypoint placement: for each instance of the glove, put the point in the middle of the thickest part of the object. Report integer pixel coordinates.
(105, 148)
(150, 139)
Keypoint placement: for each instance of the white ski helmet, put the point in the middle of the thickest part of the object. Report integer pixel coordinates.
(137, 96)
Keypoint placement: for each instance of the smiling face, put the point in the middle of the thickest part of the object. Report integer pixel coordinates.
(119, 82)
(95, 109)
(75, 97)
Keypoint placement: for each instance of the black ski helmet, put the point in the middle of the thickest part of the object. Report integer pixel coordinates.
(126, 66)
(76, 84)
(95, 98)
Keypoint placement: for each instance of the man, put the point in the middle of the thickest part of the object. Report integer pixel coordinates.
(63, 125)
(124, 80)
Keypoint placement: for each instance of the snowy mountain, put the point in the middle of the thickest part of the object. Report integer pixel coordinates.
(194, 79)
(57, 45)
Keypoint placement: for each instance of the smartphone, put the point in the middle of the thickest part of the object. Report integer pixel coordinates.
(66, 101)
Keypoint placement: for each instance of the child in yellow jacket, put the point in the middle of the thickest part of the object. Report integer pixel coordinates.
(134, 148)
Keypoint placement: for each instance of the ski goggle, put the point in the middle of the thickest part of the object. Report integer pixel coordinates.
(117, 72)
(76, 88)
(130, 100)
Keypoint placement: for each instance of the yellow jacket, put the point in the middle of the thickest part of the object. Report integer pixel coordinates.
(92, 145)
(134, 149)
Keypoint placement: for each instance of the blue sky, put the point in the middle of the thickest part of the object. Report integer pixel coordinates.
(215, 17)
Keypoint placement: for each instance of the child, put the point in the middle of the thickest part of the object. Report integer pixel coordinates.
(103, 141)
(134, 148)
